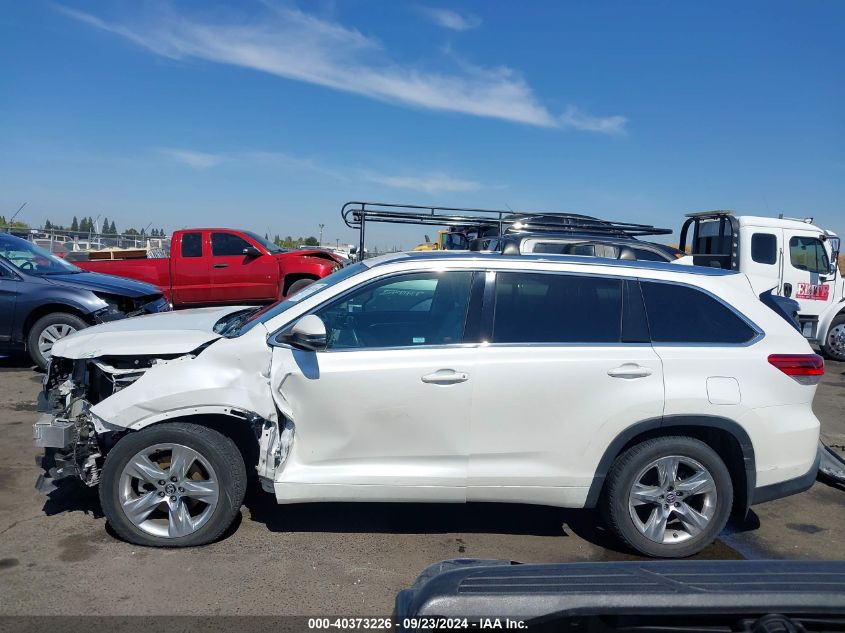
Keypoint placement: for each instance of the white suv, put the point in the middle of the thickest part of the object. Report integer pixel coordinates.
(666, 396)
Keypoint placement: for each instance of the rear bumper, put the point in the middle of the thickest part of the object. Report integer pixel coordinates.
(788, 487)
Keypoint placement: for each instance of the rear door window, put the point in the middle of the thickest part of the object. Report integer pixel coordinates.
(685, 315)
(556, 308)
(191, 244)
(764, 248)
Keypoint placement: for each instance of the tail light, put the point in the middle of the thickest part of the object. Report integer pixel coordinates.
(807, 369)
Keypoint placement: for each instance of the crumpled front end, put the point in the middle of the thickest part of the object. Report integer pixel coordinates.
(75, 441)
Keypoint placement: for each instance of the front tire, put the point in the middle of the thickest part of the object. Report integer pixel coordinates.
(668, 497)
(46, 331)
(298, 285)
(173, 485)
(834, 342)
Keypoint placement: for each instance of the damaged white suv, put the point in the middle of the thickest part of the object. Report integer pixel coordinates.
(665, 395)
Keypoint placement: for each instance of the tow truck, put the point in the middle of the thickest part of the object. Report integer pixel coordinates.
(788, 257)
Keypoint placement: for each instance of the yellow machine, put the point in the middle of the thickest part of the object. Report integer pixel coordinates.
(428, 245)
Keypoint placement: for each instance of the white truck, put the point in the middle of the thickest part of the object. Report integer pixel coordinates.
(787, 257)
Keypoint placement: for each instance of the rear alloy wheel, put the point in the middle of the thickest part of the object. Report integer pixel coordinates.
(173, 485)
(46, 331)
(834, 343)
(669, 497)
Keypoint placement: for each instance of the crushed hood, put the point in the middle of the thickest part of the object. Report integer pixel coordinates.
(164, 333)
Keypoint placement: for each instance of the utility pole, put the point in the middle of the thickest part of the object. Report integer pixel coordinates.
(322, 226)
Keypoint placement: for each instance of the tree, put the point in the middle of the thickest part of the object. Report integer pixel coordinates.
(113, 229)
(48, 225)
(2, 220)
(311, 241)
(74, 226)
(131, 231)
(104, 227)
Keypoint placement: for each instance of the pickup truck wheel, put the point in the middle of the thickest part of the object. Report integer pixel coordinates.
(834, 342)
(298, 285)
(172, 485)
(46, 331)
(668, 497)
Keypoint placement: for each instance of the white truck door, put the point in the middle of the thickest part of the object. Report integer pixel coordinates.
(806, 269)
(761, 255)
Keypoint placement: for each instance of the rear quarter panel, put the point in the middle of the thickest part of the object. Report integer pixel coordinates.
(737, 382)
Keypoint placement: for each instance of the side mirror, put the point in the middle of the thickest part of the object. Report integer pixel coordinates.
(251, 251)
(309, 333)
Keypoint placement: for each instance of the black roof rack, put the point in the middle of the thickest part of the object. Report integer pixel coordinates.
(357, 214)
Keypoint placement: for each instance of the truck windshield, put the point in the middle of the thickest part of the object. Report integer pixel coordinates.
(270, 246)
(32, 259)
(248, 320)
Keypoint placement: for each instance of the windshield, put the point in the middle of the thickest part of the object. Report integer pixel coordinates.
(32, 259)
(245, 321)
(270, 246)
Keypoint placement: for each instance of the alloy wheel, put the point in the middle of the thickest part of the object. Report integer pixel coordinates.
(168, 490)
(672, 499)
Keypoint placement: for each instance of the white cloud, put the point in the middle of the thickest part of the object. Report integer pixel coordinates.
(576, 119)
(292, 44)
(429, 183)
(453, 20)
(197, 160)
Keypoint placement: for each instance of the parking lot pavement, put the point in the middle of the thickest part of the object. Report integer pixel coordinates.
(57, 556)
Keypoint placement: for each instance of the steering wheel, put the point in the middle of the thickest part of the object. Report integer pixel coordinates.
(27, 266)
(347, 324)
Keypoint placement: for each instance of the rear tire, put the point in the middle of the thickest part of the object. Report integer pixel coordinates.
(46, 331)
(834, 342)
(173, 484)
(668, 497)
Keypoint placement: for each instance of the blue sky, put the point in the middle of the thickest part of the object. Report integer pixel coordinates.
(269, 115)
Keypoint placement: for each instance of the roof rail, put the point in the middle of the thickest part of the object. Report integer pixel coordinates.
(357, 214)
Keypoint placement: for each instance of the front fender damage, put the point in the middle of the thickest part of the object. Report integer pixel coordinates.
(90, 403)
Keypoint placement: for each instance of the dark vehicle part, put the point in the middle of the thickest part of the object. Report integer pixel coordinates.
(715, 239)
(784, 307)
(668, 496)
(831, 464)
(631, 596)
(483, 222)
(173, 484)
(44, 298)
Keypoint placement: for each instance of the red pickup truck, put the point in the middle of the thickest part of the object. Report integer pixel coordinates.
(223, 266)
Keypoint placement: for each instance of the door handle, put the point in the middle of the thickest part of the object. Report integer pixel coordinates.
(220, 265)
(629, 370)
(445, 377)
